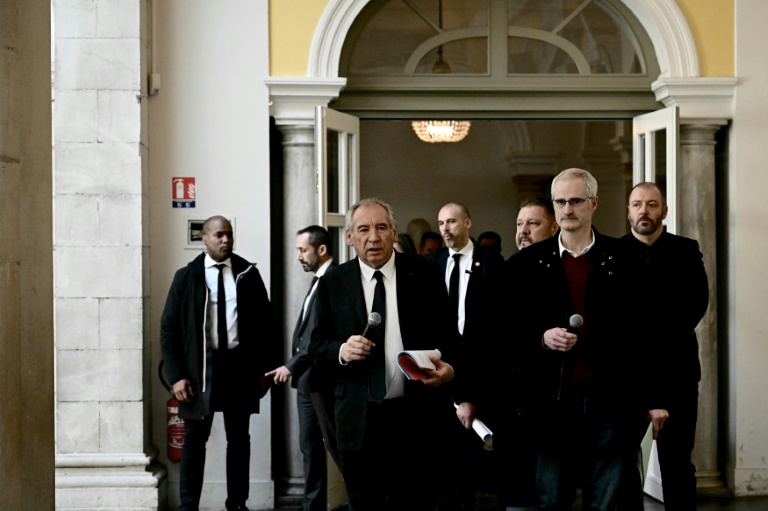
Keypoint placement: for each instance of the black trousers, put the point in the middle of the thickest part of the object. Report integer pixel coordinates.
(396, 466)
(675, 445)
(313, 450)
(193, 451)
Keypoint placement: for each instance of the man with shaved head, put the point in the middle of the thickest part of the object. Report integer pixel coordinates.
(218, 338)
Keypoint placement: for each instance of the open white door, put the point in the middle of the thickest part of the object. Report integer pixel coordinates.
(656, 152)
(337, 160)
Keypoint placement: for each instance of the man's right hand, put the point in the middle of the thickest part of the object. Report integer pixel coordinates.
(356, 348)
(182, 390)
(558, 339)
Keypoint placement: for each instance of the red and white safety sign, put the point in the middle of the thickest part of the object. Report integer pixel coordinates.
(183, 192)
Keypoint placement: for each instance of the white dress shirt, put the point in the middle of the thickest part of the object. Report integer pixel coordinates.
(465, 269)
(212, 281)
(393, 340)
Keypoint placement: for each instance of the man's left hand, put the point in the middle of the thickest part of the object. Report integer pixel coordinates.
(442, 373)
(658, 417)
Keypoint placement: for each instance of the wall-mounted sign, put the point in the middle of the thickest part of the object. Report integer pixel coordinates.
(183, 192)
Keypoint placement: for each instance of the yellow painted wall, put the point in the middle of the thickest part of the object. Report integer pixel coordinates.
(712, 26)
(292, 25)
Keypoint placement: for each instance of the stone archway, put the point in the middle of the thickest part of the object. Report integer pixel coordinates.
(705, 104)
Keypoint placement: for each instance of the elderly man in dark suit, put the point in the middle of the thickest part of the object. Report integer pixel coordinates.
(313, 247)
(670, 270)
(388, 436)
(218, 338)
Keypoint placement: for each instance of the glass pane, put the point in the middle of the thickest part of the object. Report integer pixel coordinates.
(464, 56)
(332, 158)
(536, 57)
(386, 42)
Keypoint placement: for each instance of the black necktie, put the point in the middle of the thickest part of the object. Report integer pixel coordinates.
(304, 303)
(453, 284)
(378, 382)
(221, 311)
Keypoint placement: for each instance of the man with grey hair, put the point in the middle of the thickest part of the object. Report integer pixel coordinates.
(585, 392)
(384, 419)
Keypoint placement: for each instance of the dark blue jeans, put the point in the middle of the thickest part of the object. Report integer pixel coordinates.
(580, 447)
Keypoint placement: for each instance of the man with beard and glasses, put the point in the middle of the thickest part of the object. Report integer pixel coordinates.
(669, 274)
(584, 388)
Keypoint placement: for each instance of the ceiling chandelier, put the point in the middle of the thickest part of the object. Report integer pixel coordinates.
(440, 131)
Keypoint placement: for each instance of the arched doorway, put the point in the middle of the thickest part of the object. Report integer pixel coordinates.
(704, 106)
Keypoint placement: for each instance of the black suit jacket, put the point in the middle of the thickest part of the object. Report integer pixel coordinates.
(300, 364)
(341, 313)
(476, 341)
(672, 273)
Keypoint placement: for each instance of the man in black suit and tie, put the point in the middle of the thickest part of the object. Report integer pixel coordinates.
(313, 252)
(388, 435)
(671, 269)
(218, 338)
(466, 268)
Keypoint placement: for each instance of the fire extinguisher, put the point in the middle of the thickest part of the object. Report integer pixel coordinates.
(176, 427)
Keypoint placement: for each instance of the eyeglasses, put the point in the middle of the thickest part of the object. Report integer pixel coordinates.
(574, 202)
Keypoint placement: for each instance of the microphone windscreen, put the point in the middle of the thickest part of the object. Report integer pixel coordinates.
(374, 319)
(574, 321)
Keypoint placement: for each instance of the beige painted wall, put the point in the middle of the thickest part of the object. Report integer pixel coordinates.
(747, 462)
(292, 26)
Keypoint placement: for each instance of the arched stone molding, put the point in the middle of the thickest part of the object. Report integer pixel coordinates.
(665, 23)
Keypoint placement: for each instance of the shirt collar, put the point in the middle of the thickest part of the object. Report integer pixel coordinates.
(574, 254)
(323, 268)
(210, 262)
(466, 251)
(388, 269)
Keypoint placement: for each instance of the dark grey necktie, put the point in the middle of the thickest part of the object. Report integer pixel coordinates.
(304, 303)
(221, 311)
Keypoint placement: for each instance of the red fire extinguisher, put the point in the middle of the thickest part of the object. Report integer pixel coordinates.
(176, 427)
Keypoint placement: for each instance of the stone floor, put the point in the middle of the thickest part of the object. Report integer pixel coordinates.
(705, 503)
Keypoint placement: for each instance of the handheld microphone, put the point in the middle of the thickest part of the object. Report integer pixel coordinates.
(374, 320)
(574, 323)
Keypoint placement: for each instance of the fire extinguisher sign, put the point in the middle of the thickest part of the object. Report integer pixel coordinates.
(183, 192)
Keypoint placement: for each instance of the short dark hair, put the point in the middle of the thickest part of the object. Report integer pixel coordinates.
(541, 202)
(651, 184)
(210, 219)
(490, 235)
(430, 235)
(318, 236)
(406, 243)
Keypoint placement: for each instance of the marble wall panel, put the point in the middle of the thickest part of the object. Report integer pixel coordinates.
(107, 169)
(109, 272)
(77, 323)
(77, 427)
(98, 64)
(76, 116)
(117, 427)
(120, 323)
(99, 375)
(119, 116)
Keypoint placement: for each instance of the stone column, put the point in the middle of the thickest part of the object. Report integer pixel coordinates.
(101, 252)
(26, 258)
(299, 206)
(697, 221)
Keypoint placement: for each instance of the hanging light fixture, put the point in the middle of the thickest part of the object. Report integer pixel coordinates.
(440, 131)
